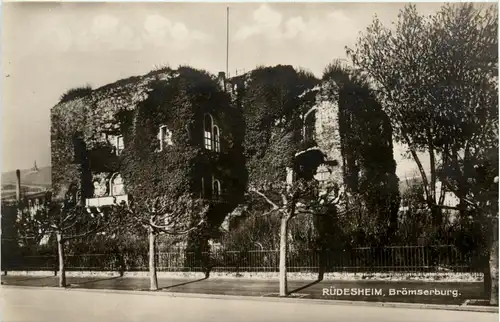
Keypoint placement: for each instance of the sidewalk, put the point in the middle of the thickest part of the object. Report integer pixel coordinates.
(374, 291)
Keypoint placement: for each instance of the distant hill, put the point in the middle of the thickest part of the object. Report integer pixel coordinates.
(41, 178)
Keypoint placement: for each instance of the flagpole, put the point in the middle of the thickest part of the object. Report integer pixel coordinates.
(227, 42)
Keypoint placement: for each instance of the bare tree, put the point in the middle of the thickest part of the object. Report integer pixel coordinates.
(164, 215)
(290, 199)
(68, 220)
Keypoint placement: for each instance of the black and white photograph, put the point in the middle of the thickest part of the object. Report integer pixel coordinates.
(249, 161)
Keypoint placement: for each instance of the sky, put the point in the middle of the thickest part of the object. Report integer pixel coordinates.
(48, 48)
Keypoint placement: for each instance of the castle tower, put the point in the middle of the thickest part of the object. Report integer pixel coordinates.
(34, 168)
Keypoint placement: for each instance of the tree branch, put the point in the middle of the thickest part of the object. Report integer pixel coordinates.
(267, 213)
(164, 229)
(69, 227)
(88, 232)
(269, 201)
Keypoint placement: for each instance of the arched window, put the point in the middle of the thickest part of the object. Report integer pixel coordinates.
(309, 125)
(216, 139)
(208, 125)
(165, 137)
(119, 145)
(71, 195)
(211, 134)
(208, 187)
(216, 190)
(100, 187)
(117, 188)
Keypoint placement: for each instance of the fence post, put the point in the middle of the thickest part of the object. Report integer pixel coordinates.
(394, 260)
(321, 260)
(238, 263)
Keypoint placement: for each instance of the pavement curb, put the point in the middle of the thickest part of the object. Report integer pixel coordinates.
(483, 309)
(430, 278)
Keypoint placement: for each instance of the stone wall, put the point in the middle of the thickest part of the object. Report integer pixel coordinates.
(96, 117)
(328, 138)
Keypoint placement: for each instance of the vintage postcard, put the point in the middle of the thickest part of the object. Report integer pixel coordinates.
(315, 161)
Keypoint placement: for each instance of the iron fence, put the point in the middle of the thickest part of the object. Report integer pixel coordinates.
(406, 259)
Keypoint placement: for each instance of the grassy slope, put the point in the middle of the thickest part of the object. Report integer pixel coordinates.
(41, 178)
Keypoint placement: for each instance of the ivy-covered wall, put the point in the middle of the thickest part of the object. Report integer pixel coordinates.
(350, 129)
(80, 122)
(85, 127)
(368, 165)
(256, 112)
(272, 101)
(281, 99)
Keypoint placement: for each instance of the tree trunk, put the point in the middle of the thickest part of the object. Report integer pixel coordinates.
(153, 280)
(283, 255)
(487, 274)
(321, 263)
(60, 252)
(493, 268)
(437, 219)
(492, 285)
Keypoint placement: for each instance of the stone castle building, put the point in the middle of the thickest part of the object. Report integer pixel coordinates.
(94, 118)
(91, 130)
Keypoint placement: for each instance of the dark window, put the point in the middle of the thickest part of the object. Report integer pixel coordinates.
(119, 145)
(309, 127)
(216, 189)
(216, 139)
(206, 182)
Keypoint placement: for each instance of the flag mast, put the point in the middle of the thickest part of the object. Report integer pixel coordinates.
(227, 42)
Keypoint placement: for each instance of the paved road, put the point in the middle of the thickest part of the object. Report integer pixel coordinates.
(49, 305)
(249, 287)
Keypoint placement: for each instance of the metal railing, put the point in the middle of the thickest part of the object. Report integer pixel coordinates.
(391, 259)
